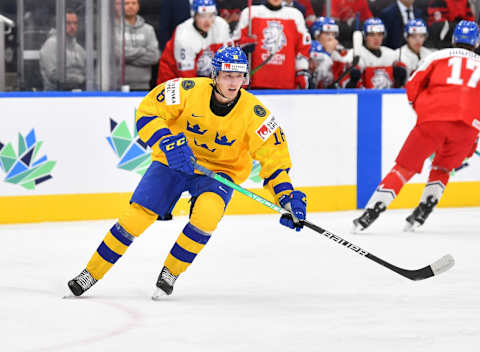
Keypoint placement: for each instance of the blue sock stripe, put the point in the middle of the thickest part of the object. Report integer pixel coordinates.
(144, 120)
(284, 186)
(107, 254)
(157, 135)
(195, 234)
(182, 254)
(121, 234)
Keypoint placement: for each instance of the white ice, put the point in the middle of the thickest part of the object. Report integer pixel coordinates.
(255, 287)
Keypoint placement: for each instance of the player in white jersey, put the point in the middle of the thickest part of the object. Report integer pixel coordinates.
(320, 66)
(190, 50)
(324, 48)
(378, 64)
(413, 51)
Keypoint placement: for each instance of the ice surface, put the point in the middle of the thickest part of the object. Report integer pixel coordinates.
(255, 287)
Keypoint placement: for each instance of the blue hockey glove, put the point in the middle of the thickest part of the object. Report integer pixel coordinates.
(295, 202)
(179, 154)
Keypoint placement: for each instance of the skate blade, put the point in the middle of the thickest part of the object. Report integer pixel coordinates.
(356, 229)
(68, 295)
(409, 227)
(158, 295)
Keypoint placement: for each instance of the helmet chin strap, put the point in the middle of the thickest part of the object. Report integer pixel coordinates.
(218, 90)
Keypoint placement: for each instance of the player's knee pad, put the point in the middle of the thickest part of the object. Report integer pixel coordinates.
(207, 211)
(137, 219)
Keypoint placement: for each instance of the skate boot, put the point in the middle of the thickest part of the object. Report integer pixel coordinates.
(82, 282)
(165, 283)
(420, 214)
(368, 217)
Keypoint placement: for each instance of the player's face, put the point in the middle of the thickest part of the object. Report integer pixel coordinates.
(374, 40)
(131, 8)
(415, 41)
(407, 3)
(328, 40)
(229, 83)
(71, 24)
(275, 2)
(204, 20)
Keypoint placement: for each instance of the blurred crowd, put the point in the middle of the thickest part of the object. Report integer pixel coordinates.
(291, 44)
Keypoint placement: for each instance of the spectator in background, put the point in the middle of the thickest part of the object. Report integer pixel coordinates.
(413, 51)
(172, 13)
(280, 58)
(443, 16)
(141, 48)
(75, 58)
(349, 14)
(377, 6)
(190, 50)
(305, 7)
(395, 17)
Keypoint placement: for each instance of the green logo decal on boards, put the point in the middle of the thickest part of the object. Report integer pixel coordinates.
(24, 167)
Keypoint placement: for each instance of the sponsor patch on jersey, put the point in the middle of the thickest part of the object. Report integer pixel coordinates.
(267, 128)
(476, 124)
(172, 92)
(234, 67)
(259, 110)
(188, 84)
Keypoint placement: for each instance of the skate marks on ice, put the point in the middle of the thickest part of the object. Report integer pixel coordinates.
(299, 290)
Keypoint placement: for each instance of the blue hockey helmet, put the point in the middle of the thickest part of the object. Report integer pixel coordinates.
(230, 59)
(204, 6)
(324, 24)
(373, 25)
(466, 32)
(416, 26)
(317, 50)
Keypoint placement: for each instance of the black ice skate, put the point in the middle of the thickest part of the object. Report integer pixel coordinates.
(165, 283)
(368, 217)
(82, 282)
(420, 214)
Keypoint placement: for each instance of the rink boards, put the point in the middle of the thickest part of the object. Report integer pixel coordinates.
(59, 159)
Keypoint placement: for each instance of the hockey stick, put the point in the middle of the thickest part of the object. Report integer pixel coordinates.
(263, 63)
(439, 266)
(357, 43)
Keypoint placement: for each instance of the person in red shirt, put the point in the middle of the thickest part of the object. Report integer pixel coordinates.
(349, 14)
(444, 126)
(280, 57)
(449, 10)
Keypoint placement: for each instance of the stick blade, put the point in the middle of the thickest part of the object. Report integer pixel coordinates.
(443, 264)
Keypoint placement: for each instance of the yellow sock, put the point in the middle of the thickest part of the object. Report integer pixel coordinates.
(207, 212)
(129, 226)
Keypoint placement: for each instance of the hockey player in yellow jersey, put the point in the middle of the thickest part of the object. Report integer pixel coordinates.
(221, 126)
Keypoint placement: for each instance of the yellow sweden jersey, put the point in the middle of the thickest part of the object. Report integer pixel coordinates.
(221, 143)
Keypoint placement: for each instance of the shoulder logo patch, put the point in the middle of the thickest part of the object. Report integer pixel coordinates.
(259, 110)
(188, 84)
(267, 128)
